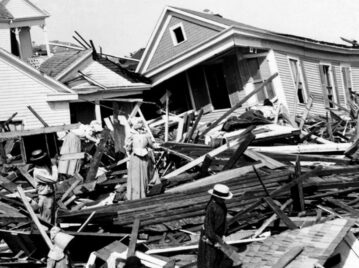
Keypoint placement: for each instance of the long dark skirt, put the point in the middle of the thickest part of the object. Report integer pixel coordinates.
(209, 256)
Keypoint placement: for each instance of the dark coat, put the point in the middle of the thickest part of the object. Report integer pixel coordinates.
(214, 228)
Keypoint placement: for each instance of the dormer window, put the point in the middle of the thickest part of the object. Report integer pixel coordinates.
(177, 33)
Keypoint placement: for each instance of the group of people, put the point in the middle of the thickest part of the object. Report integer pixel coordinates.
(140, 169)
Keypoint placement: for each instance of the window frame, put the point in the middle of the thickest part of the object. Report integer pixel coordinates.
(302, 80)
(173, 35)
(333, 84)
(346, 92)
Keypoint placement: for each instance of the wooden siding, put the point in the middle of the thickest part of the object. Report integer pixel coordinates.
(166, 50)
(21, 9)
(18, 90)
(5, 39)
(355, 78)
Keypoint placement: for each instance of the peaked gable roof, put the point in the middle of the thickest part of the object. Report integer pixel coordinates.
(4, 13)
(23, 9)
(54, 85)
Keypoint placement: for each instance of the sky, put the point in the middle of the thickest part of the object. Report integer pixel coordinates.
(124, 26)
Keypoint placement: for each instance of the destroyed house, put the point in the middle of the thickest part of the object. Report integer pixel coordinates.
(210, 62)
(97, 82)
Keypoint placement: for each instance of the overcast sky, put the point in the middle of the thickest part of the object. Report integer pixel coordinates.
(123, 26)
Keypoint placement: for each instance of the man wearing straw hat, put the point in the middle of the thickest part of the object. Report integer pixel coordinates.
(209, 254)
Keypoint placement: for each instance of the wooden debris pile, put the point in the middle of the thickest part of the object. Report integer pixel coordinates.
(285, 173)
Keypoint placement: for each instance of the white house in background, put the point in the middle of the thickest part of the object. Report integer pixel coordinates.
(16, 19)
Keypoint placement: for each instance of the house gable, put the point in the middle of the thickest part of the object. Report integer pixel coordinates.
(19, 89)
(23, 9)
(162, 46)
(167, 48)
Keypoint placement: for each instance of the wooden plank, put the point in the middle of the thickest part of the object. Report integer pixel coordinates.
(34, 217)
(246, 140)
(72, 156)
(36, 131)
(199, 160)
(306, 112)
(72, 187)
(303, 148)
(37, 116)
(133, 239)
(27, 176)
(86, 222)
(280, 213)
(342, 205)
(297, 190)
(267, 161)
(271, 219)
(193, 129)
(205, 165)
(238, 105)
(288, 257)
(167, 114)
(95, 162)
(276, 192)
(7, 184)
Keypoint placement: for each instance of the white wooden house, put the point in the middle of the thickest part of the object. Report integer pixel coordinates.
(209, 61)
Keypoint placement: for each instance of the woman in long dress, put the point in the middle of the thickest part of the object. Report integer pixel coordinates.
(140, 163)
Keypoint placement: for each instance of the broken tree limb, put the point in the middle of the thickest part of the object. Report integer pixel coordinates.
(34, 217)
(238, 105)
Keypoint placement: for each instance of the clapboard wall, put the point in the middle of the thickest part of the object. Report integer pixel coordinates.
(18, 89)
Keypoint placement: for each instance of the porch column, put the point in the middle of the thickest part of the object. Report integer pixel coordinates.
(44, 30)
(17, 36)
(98, 112)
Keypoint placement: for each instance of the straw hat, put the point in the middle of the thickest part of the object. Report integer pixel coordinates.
(221, 191)
(37, 155)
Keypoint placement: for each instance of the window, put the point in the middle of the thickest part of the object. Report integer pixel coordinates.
(255, 68)
(297, 76)
(347, 82)
(328, 84)
(177, 33)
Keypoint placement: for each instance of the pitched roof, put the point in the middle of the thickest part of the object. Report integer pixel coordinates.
(228, 22)
(103, 74)
(60, 61)
(20, 9)
(4, 13)
(319, 242)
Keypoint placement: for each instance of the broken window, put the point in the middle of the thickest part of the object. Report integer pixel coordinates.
(347, 81)
(178, 34)
(298, 80)
(256, 67)
(328, 84)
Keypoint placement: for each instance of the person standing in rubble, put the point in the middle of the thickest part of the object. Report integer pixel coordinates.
(45, 175)
(209, 254)
(140, 163)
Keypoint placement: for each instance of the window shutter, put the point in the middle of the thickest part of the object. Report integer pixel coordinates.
(324, 85)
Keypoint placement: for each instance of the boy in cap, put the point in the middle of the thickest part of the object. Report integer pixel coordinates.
(209, 255)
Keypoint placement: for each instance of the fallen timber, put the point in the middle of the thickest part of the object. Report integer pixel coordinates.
(172, 206)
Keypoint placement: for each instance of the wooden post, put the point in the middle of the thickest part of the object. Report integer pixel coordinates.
(95, 162)
(133, 239)
(191, 132)
(167, 116)
(280, 213)
(37, 116)
(297, 190)
(34, 218)
(240, 150)
(329, 127)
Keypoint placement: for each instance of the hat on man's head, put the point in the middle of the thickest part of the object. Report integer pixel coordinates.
(221, 191)
(37, 155)
(137, 123)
